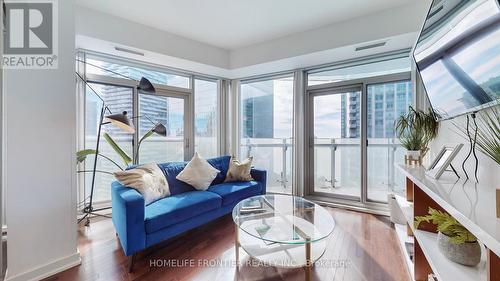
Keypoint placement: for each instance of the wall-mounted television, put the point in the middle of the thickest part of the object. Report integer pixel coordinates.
(458, 56)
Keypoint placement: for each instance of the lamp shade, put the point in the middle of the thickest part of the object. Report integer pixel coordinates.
(121, 121)
(146, 86)
(160, 129)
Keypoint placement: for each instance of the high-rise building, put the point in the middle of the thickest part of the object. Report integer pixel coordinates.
(385, 102)
(258, 117)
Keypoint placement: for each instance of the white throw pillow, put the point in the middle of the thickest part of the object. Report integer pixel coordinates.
(198, 173)
(147, 179)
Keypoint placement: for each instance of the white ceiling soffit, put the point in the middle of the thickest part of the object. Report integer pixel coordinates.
(303, 61)
(233, 24)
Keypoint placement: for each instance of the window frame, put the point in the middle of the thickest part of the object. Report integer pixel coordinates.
(238, 128)
(312, 90)
(162, 89)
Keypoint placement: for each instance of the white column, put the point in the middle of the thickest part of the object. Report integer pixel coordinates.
(39, 162)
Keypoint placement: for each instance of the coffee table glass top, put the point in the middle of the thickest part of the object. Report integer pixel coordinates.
(283, 219)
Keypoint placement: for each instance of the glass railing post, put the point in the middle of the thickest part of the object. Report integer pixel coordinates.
(332, 159)
(283, 173)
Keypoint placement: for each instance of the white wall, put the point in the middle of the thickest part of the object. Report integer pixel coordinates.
(488, 171)
(39, 164)
(102, 26)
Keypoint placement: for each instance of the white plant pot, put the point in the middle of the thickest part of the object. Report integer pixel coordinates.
(414, 154)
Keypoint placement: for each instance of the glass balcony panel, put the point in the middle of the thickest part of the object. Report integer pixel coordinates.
(170, 112)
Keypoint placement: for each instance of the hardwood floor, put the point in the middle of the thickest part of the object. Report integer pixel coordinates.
(362, 247)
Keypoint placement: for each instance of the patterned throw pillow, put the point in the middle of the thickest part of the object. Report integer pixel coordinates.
(198, 173)
(239, 171)
(147, 179)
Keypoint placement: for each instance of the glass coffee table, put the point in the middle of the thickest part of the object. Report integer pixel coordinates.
(282, 230)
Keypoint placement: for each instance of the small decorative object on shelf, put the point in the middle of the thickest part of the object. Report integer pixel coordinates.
(415, 130)
(454, 241)
(414, 157)
(443, 160)
(431, 277)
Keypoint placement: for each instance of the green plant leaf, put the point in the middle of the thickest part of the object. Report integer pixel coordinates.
(447, 225)
(82, 154)
(416, 129)
(126, 159)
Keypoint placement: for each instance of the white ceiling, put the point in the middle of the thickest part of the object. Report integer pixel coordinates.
(233, 24)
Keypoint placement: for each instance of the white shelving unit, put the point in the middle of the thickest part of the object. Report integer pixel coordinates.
(472, 205)
(443, 268)
(404, 238)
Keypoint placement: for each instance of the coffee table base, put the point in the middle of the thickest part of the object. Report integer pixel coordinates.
(280, 255)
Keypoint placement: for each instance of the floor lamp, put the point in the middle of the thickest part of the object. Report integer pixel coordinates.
(120, 120)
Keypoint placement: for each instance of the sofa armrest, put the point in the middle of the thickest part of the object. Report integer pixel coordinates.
(128, 217)
(261, 177)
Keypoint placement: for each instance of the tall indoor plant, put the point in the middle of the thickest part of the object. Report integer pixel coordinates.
(415, 130)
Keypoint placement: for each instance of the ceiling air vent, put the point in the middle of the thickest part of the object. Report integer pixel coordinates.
(129, 51)
(371, 46)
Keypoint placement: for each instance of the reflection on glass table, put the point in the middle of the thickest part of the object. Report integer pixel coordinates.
(282, 230)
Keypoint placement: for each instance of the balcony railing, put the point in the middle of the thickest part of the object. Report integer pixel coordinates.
(381, 156)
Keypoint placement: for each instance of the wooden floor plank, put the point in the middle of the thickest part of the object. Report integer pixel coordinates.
(366, 242)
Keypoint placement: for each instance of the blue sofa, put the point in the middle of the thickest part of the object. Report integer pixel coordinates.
(139, 226)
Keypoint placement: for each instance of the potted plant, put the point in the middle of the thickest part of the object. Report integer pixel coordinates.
(454, 240)
(415, 130)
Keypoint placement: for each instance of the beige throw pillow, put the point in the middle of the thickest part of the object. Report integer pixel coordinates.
(198, 173)
(239, 171)
(147, 179)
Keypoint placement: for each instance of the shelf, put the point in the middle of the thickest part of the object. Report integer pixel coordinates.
(472, 204)
(407, 209)
(443, 268)
(403, 238)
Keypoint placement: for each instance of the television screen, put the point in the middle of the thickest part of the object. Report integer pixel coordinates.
(458, 56)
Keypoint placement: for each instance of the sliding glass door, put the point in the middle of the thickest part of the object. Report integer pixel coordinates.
(169, 109)
(335, 146)
(352, 144)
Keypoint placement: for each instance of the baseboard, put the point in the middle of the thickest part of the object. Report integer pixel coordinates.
(47, 270)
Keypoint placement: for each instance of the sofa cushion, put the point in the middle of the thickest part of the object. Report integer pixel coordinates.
(171, 170)
(198, 173)
(236, 191)
(221, 164)
(179, 207)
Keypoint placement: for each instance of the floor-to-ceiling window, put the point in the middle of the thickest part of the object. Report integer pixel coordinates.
(187, 105)
(350, 129)
(206, 117)
(386, 101)
(266, 121)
